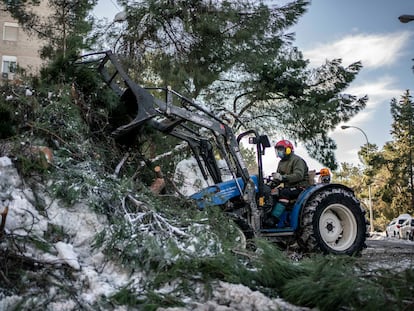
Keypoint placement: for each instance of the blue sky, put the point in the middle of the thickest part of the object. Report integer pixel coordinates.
(368, 31)
(354, 30)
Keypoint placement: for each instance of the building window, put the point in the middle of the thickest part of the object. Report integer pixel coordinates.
(8, 66)
(10, 31)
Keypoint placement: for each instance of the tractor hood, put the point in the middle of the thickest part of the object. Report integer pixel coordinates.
(220, 193)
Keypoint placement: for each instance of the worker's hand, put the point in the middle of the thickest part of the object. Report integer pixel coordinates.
(274, 191)
(277, 176)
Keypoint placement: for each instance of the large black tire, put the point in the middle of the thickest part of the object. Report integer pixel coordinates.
(333, 222)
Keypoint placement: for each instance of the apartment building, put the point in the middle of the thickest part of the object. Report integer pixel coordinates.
(17, 47)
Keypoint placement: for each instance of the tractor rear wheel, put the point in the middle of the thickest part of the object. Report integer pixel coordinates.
(333, 222)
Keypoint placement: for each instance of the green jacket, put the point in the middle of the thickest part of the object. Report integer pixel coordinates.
(294, 170)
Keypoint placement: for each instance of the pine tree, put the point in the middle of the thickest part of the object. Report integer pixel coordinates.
(349, 175)
(237, 56)
(402, 131)
(64, 30)
(393, 165)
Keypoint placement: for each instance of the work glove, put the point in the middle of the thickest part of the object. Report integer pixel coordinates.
(277, 176)
(274, 191)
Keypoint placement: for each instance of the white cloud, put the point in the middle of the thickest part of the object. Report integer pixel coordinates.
(375, 50)
(382, 88)
(380, 92)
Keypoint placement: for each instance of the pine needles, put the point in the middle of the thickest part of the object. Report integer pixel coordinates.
(333, 282)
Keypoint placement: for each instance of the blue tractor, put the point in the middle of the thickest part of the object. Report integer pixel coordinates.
(326, 217)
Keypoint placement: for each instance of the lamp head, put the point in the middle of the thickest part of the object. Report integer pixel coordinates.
(406, 18)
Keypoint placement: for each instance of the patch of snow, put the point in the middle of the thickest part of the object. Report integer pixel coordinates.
(5, 161)
(66, 253)
(9, 178)
(9, 302)
(23, 217)
(381, 236)
(237, 297)
(98, 275)
(78, 221)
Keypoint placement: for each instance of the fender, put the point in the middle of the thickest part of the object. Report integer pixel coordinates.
(306, 195)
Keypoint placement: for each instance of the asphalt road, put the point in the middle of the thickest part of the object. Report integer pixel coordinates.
(388, 253)
(391, 244)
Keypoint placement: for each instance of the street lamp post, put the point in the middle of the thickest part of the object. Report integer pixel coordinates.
(371, 215)
(405, 18)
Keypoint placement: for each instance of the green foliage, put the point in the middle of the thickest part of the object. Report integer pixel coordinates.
(51, 115)
(143, 251)
(59, 70)
(243, 31)
(72, 186)
(16, 108)
(349, 175)
(161, 238)
(330, 282)
(62, 118)
(7, 124)
(32, 163)
(387, 170)
(175, 245)
(64, 30)
(335, 282)
(274, 268)
(236, 57)
(391, 173)
(125, 297)
(329, 285)
(250, 158)
(190, 273)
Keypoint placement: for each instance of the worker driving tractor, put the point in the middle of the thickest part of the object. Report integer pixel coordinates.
(293, 173)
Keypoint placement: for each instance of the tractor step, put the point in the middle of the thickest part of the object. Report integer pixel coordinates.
(277, 232)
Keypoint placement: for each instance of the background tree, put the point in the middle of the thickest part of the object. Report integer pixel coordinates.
(349, 175)
(64, 30)
(250, 158)
(389, 171)
(383, 192)
(393, 164)
(237, 56)
(360, 179)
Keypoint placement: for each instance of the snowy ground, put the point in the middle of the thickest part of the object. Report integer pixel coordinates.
(388, 253)
(381, 236)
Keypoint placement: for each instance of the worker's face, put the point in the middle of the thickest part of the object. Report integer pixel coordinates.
(280, 152)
